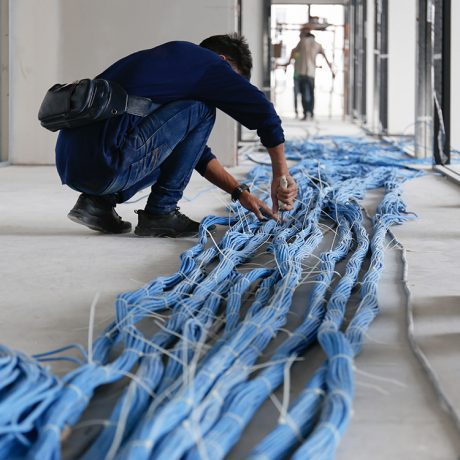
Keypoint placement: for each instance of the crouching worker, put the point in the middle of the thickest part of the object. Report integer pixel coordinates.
(111, 160)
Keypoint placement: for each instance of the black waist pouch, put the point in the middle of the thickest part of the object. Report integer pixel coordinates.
(87, 101)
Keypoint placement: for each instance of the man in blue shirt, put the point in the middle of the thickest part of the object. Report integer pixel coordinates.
(110, 161)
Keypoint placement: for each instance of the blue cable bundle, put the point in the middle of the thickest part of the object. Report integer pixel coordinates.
(197, 382)
(340, 348)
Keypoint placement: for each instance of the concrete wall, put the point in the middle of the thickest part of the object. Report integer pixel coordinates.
(401, 66)
(63, 40)
(455, 76)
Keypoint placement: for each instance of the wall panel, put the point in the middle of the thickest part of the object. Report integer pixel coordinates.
(63, 40)
(34, 67)
(401, 66)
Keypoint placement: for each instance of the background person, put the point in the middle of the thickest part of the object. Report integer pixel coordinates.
(305, 54)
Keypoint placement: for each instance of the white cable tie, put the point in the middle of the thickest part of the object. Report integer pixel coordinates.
(218, 396)
(216, 448)
(358, 328)
(232, 351)
(297, 334)
(342, 393)
(211, 375)
(235, 417)
(317, 390)
(330, 310)
(52, 427)
(341, 355)
(288, 421)
(267, 382)
(145, 443)
(333, 429)
(133, 350)
(78, 391)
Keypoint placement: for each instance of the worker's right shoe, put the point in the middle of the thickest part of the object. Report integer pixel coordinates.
(173, 225)
(98, 213)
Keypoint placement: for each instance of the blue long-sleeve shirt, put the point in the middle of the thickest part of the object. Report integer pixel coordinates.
(89, 157)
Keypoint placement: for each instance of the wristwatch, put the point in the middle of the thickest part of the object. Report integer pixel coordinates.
(236, 193)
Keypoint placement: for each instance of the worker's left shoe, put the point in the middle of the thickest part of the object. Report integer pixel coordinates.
(98, 213)
(173, 225)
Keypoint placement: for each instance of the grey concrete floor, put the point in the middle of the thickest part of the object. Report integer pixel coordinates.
(51, 269)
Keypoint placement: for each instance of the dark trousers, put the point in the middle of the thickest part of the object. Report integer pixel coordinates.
(307, 92)
(296, 93)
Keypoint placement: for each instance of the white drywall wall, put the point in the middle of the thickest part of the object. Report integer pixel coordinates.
(4, 77)
(34, 62)
(401, 66)
(455, 76)
(63, 40)
(252, 29)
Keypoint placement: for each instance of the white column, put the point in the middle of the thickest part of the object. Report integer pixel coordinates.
(33, 61)
(252, 29)
(401, 66)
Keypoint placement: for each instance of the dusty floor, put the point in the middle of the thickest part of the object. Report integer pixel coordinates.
(51, 270)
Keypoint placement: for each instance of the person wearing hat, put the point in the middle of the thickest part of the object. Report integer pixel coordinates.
(304, 56)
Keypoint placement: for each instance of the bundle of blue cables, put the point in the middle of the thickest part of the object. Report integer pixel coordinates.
(200, 378)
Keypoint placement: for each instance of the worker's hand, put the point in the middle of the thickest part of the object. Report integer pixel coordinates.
(258, 207)
(286, 195)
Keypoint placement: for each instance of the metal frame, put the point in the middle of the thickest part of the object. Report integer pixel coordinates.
(441, 80)
(363, 15)
(423, 91)
(350, 82)
(358, 43)
(267, 48)
(432, 132)
(347, 60)
(239, 28)
(311, 2)
(381, 65)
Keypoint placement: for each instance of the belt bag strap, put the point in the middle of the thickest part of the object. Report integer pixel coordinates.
(140, 106)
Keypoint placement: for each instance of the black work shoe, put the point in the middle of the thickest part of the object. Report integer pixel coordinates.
(175, 224)
(98, 214)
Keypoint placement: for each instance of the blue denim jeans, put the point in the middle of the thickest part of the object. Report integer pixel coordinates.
(307, 92)
(168, 144)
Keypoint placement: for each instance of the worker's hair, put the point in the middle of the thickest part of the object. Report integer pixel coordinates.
(235, 48)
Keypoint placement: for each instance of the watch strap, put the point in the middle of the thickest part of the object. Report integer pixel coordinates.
(237, 191)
